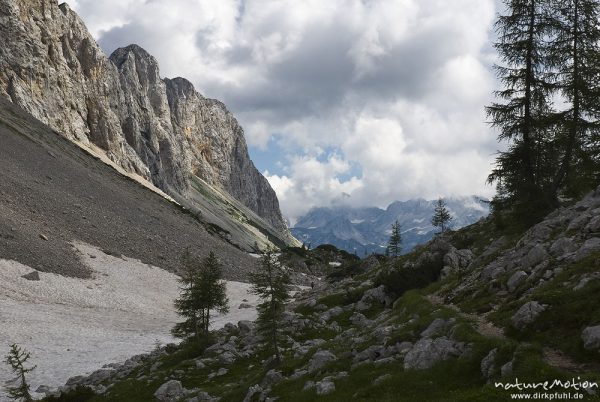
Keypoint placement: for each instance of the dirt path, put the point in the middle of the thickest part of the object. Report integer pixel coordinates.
(482, 325)
(553, 357)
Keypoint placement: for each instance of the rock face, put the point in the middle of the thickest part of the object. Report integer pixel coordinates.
(160, 129)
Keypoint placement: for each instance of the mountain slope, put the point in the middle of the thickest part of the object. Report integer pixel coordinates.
(467, 317)
(53, 193)
(159, 129)
(367, 230)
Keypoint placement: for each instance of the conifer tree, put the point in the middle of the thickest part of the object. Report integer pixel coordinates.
(17, 359)
(202, 291)
(441, 216)
(271, 283)
(574, 56)
(524, 113)
(395, 243)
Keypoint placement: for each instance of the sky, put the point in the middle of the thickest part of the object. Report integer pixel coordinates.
(343, 102)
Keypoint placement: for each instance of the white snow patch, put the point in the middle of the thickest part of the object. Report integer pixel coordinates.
(356, 221)
(75, 326)
(335, 264)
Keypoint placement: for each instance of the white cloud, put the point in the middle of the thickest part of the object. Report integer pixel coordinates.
(396, 87)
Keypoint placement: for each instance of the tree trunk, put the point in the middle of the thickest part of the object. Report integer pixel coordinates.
(527, 117)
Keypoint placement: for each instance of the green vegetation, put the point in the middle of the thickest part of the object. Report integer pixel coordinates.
(548, 49)
(271, 283)
(17, 358)
(394, 246)
(202, 291)
(441, 216)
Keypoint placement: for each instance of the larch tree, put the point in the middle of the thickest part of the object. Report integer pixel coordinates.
(395, 243)
(202, 292)
(271, 283)
(523, 113)
(574, 55)
(17, 359)
(441, 216)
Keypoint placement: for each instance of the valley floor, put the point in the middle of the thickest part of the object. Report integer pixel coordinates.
(75, 326)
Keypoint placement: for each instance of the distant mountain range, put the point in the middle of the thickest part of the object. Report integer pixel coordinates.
(367, 230)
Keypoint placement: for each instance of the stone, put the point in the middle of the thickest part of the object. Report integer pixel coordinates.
(43, 389)
(506, 369)
(360, 320)
(245, 305)
(331, 313)
(32, 276)
(246, 327)
(170, 391)
(377, 294)
(527, 314)
(562, 246)
(427, 352)
(458, 260)
(436, 328)
(578, 222)
(535, 256)
(271, 378)
(320, 359)
(515, 280)
(488, 364)
(252, 391)
(381, 378)
(588, 248)
(594, 225)
(591, 338)
(325, 387)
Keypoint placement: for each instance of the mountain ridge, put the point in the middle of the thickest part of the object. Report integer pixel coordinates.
(158, 128)
(366, 229)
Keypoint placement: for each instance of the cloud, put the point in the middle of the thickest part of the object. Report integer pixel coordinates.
(394, 87)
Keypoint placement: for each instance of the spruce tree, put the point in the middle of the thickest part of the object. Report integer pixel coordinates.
(574, 56)
(271, 283)
(395, 243)
(524, 113)
(441, 216)
(202, 291)
(17, 359)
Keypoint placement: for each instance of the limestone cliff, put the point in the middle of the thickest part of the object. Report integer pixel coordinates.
(161, 129)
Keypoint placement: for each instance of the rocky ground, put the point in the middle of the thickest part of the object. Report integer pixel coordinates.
(53, 193)
(508, 306)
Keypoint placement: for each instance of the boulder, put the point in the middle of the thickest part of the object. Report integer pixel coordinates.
(271, 377)
(253, 390)
(591, 338)
(427, 352)
(320, 359)
(515, 280)
(562, 246)
(527, 314)
(488, 364)
(377, 294)
(436, 328)
(588, 248)
(32, 276)
(246, 326)
(171, 391)
(535, 256)
(458, 260)
(325, 387)
(594, 225)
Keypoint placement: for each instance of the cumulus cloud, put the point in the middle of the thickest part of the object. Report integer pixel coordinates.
(370, 101)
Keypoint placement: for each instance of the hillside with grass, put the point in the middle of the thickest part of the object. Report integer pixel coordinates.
(484, 305)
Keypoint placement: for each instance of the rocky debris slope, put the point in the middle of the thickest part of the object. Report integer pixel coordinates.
(52, 193)
(161, 129)
(563, 248)
(396, 331)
